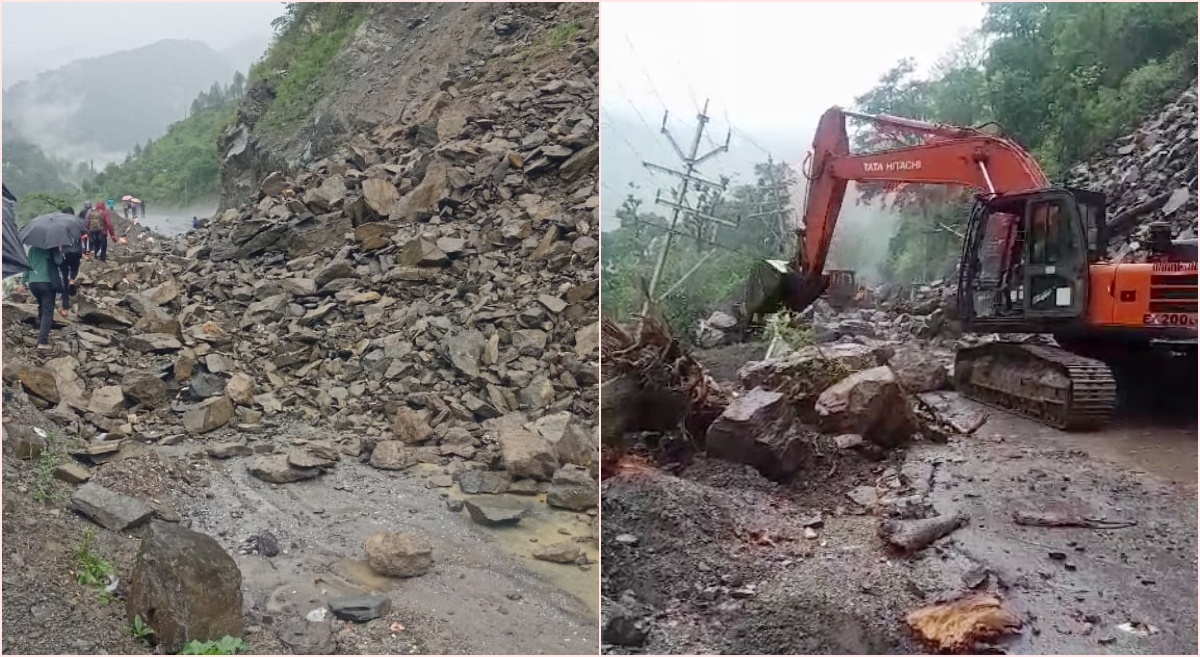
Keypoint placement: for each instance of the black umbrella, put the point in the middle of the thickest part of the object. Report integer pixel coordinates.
(51, 231)
(15, 260)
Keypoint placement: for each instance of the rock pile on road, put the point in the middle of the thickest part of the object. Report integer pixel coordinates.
(428, 295)
(1149, 175)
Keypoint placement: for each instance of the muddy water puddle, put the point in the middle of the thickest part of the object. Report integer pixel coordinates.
(482, 577)
(542, 526)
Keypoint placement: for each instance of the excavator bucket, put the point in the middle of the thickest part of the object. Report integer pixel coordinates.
(800, 290)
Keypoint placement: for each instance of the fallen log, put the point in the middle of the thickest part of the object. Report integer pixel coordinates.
(915, 535)
(1051, 519)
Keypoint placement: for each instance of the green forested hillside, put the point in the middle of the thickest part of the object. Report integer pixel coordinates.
(1062, 79)
(181, 166)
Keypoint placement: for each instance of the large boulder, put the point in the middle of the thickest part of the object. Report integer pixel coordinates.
(397, 554)
(209, 415)
(918, 370)
(760, 430)
(869, 403)
(573, 488)
(526, 454)
(185, 587)
(802, 375)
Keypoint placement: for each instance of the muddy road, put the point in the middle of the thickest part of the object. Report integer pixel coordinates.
(484, 595)
(718, 559)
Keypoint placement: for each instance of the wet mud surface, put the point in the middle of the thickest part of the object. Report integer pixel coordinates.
(718, 559)
(484, 595)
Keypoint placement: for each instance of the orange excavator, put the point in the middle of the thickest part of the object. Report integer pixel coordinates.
(1034, 260)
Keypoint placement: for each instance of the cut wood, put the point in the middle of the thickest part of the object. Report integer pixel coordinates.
(916, 535)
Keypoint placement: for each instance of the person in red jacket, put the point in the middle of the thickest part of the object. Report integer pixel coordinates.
(100, 228)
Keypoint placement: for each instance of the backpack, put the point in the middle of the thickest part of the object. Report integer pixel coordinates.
(95, 220)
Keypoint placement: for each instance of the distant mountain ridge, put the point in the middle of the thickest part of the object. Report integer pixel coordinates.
(100, 108)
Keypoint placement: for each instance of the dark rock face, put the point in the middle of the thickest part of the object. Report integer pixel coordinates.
(185, 587)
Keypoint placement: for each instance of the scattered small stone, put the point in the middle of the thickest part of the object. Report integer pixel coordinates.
(360, 608)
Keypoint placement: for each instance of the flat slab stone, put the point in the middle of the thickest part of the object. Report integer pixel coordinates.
(109, 509)
(360, 608)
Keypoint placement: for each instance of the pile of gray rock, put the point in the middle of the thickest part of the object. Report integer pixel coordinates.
(851, 395)
(428, 295)
(1148, 176)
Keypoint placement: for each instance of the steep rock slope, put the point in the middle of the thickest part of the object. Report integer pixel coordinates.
(407, 63)
(1149, 175)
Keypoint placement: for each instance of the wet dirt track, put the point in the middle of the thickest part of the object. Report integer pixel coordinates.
(1076, 588)
(484, 594)
(1080, 585)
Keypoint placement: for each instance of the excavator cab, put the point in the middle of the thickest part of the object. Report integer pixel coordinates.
(1025, 261)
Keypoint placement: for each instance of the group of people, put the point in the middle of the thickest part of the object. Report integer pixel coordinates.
(53, 272)
(134, 207)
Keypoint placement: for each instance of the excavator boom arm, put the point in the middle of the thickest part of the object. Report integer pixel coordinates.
(953, 156)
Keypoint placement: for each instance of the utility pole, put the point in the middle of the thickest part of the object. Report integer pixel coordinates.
(776, 207)
(690, 162)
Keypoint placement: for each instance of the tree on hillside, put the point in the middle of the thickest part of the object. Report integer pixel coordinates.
(1062, 79)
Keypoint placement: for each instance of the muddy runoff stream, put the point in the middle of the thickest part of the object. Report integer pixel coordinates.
(485, 593)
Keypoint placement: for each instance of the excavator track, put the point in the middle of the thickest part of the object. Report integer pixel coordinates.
(1047, 384)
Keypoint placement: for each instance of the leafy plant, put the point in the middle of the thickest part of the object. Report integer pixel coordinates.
(140, 631)
(789, 329)
(45, 487)
(90, 568)
(226, 645)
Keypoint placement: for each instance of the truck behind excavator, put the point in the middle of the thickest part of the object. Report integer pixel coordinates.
(1034, 260)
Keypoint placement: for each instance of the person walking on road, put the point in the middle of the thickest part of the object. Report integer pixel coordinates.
(99, 228)
(43, 282)
(72, 255)
(87, 207)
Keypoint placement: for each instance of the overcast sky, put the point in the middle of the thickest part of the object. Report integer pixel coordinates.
(768, 65)
(768, 69)
(39, 36)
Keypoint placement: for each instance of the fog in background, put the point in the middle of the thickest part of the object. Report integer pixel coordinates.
(91, 81)
(42, 36)
(769, 70)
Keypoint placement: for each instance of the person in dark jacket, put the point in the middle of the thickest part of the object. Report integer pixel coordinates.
(72, 255)
(43, 283)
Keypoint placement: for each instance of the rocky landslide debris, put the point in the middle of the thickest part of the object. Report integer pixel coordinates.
(420, 297)
(427, 294)
(1148, 176)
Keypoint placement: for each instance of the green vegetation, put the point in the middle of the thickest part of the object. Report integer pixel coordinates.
(562, 35)
(140, 631)
(45, 487)
(552, 40)
(226, 645)
(181, 166)
(40, 203)
(790, 329)
(308, 36)
(28, 169)
(1062, 79)
(630, 252)
(91, 570)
